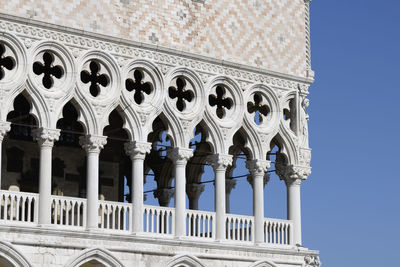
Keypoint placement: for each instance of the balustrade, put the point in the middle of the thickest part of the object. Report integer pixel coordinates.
(159, 220)
(279, 232)
(239, 228)
(18, 207)
(68, 211)
(200, 224)
(115, 215)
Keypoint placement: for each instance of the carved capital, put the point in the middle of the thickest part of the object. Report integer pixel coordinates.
(46, 137)
(180, 156)
(137, 150)
(258, 167)
(164, 195)
(194, 190)
(4, 128)
(312, 261)
(93, 143)
(220, 161)
(292, 174)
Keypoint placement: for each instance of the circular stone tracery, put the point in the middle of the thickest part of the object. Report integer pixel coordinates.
(49, 69)
(181, 92)
(7, 62)
(259, 108)
(93, 76)
(140, 84)
(220, 101)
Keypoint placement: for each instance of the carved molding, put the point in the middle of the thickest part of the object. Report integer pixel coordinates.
(312, 261)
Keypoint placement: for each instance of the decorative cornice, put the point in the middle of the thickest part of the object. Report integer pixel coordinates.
(93, 143)
(137, 150)
(46, 137)
(220, 161)
(180, 155)
(32, 30)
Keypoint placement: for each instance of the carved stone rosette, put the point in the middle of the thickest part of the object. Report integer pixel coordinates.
(4, 128)
(46, 137)
(180, 156)
(312, 261)
(93, 143)
(220, 161)
(137, 150)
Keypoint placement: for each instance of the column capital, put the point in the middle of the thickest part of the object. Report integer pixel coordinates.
(5, 127)
(45, 136)
(258, 167)
(137, 150)
(180, 155)
(194, 190)
(229, 185)
(220, 161)
(292, 173)
(93, 143)
(266, 177)
(164, 195)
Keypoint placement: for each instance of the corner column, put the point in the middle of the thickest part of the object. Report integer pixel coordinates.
(4, 128)
(220, 163)
(258, 179)
(45, 138)
(92, 145)
(179, 157)
(137, 152)
(293, 176)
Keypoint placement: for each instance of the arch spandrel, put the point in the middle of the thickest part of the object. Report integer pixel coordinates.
(184, 261)
(12, 256)
(99, 255)
(263, 263)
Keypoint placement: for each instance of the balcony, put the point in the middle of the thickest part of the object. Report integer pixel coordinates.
(22, 209)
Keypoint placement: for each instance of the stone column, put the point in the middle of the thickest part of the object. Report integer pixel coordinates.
(45, 138)
(257, 170)
(293, 176)
(229, 185)
(164, 195)
(220, 163)
(194, 191)
(4, 128)
(179, 157)
(137, 152)
(92, 145)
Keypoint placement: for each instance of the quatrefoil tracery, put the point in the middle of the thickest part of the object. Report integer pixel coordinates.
(181, 93)
(220, 101)
(6, 62)
(139, 85)
(48, 69)
(94, 78)
(259, 109)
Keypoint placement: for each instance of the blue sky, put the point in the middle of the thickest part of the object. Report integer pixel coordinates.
(350, 204)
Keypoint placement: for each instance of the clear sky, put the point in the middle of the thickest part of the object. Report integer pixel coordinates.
(351, 202)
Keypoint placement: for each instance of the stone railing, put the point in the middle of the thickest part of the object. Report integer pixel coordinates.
(18, 207)
(278, 232)
(68, 211)
(200, 224)
(115, 215)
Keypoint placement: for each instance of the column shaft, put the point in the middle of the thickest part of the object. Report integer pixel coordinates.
(294, 209)
(92, 190)
(220, 205)
(137, 195)
(45, 185)
(180, 200)
(4, 128)
(258, 207)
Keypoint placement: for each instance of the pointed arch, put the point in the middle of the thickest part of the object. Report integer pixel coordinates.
(12, 255)
(98, 254)
(286, 145)
(184, 261)
(263, 263)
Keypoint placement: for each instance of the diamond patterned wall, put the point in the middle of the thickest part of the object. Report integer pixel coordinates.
(269, 34)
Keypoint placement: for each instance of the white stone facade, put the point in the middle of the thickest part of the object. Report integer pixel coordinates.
(84, 114)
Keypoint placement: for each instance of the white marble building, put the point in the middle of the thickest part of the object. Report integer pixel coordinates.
(95, 96)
